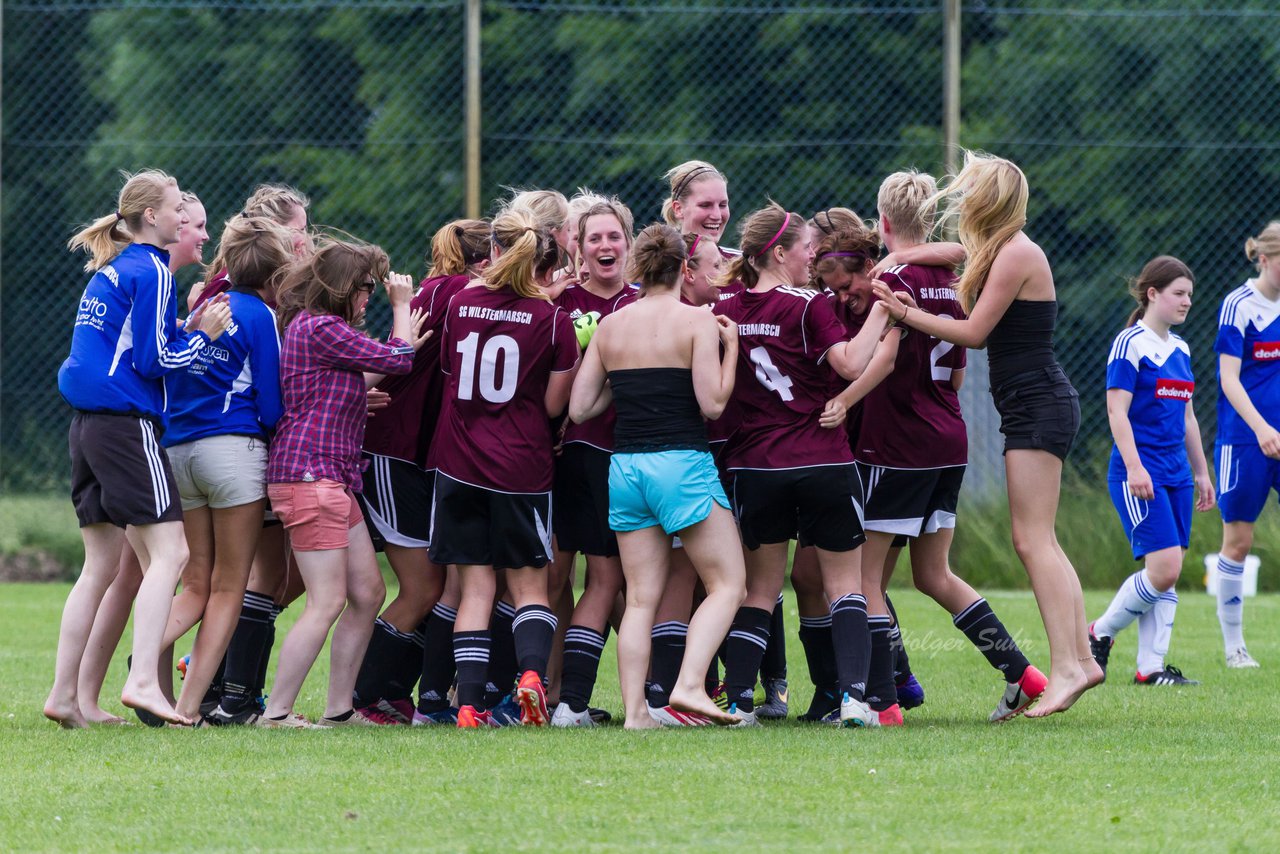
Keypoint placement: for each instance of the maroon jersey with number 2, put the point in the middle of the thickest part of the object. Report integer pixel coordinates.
(912, 420)
(783, 380)
(499, 350)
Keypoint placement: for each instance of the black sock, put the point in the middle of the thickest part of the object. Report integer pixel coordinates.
(534, 627)
(582, 649)
(437, 660)
(665, 660)
(774, 664)
(712, 680)
(402, 675)
(386, 645)
(819, 652)
(901, 661)
(471, 652)
(852, 644)
(748, 637)
(502, 661)
(881, 690)
(268, 643)
(245, 648)
(985, 631)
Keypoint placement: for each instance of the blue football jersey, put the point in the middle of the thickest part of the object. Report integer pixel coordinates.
(1157, 372)
(1248, 329)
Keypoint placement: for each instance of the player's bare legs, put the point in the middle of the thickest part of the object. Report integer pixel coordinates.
(645, 563)
(108, 628)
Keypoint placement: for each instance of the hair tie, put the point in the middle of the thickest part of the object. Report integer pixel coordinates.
(693, 247)
(785, 222)
(119, 216)
(684, 182)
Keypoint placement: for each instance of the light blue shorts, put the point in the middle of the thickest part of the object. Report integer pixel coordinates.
(674, 489)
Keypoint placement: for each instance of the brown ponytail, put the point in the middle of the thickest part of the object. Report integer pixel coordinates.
(459, 246)
(762, 230)
(1159, 273)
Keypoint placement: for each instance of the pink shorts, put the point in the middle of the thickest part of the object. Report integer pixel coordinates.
(317, 515)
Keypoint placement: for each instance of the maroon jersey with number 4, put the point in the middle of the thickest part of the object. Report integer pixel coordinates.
(404, 428)
(577, 301)
(912, 419)
(498, 351)
(783, 381)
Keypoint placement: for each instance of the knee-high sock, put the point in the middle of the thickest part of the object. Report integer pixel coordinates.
(880, 693)
(1134, 598)
(664, 663)
(1231, 602)
(819, 652)
(471, 652)
(744, 648)
(533, 628)
(583, 647)
(437, 660)
(502, 655)
(244, 651)
(852, 643)
(1155, 628)
(901, 661)
(388, 646)
(774, 664)
(985, 631)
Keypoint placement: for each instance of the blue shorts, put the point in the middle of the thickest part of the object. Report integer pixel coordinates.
(1161, 523)
(674, 489)
(1245, 477)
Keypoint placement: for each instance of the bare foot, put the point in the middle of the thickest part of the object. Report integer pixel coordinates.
(155, 703)
(698, 703)
(65, 715)
(96, 715)
(642, 721)
(1064, 689)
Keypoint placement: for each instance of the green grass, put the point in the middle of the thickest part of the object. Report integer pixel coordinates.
(1088, 529)
(1129, 768)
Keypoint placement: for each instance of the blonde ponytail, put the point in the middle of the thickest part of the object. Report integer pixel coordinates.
(107, 236)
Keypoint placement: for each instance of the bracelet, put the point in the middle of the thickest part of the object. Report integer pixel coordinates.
(903, 319)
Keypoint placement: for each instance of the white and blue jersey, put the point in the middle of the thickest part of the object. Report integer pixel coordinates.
(127, 338)
(1248, 329)
(233, 385)
(1157, 372)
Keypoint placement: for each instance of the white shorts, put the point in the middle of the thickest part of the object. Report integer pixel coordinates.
(220, 471)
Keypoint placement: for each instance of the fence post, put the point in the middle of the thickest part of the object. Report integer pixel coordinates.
(472, 81)
(951, 84)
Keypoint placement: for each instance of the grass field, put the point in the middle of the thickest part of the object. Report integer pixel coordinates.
(1128, 768)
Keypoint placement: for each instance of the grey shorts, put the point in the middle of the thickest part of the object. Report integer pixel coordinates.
(220, 471)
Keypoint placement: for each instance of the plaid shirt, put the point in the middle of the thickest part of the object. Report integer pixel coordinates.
(321, 365)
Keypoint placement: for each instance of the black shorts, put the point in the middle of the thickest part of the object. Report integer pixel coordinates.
(909, 502)
(819, 506)
(478, 526)
(581, 494)
(1039, 410)
(396, 502)
(119, 473)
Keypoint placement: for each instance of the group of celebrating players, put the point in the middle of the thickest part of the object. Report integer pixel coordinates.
(686, 409)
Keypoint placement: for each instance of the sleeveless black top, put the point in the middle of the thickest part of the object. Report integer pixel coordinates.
(657, 411)
(1022, 340)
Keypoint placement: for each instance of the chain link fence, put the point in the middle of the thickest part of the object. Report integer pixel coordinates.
(1144, 128)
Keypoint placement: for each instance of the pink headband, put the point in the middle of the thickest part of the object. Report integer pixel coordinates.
(844, 255)
(785, 222)
(693, 247)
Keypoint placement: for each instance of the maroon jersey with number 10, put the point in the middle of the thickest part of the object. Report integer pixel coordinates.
(912, 420)
(783, 380)
(499, 350)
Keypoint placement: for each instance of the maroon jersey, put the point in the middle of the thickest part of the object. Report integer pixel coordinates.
(852, 326)
(912, 419)
(498, 351)
(219, 284)
(404, 429)
(783, 380)
(577, 301)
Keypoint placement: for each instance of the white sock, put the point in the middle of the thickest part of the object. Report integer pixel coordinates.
(1135, 597)
(1155, 628)
(1231, 602)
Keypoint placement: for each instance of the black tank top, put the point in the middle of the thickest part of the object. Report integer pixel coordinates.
(657, 411)
(1022, 340)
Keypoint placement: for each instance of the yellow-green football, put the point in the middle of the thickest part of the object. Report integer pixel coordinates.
(584, 327)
